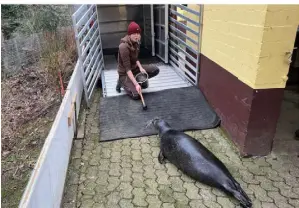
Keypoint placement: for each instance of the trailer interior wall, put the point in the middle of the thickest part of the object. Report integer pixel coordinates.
(114, 21)
(164, 35)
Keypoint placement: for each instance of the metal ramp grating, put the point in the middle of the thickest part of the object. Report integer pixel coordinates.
(168, 78)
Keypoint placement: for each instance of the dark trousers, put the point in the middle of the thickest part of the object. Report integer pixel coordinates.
(129, 87)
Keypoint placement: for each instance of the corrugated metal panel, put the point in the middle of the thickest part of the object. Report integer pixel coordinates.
(114, 21)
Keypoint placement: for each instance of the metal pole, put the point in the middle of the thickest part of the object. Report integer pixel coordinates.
(166, 33)
(199, 40)
(144, 26)
(160, 30)
(102, 73)
(153, 30)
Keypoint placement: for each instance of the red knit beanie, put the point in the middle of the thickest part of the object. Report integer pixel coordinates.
(133, 28)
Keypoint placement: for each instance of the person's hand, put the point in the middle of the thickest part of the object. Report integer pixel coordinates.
(142, 70)
(138, 88)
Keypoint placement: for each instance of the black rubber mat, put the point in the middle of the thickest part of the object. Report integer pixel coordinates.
(183, 108)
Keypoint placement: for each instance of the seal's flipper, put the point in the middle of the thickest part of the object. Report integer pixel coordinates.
(161, 158)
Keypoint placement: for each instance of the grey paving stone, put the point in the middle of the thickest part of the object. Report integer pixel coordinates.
(225, 202)
(126, 173)
(138, 180)
(151, 187)
(139, 197)
(154, 201)
(126, 203)
(192, 191)
(166, 194)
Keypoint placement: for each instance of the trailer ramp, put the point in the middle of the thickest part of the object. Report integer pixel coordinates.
(168, 78)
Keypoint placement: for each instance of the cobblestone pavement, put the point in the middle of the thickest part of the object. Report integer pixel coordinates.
(126, 173)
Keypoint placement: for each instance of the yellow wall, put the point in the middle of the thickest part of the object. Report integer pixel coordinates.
(250, 41)
(279, 35)
(181, 11)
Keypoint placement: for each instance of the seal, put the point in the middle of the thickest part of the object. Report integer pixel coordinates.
(196, 161)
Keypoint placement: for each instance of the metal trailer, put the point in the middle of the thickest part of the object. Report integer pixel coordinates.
(167, 33)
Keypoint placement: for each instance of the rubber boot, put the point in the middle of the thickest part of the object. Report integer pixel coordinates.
(118, 86)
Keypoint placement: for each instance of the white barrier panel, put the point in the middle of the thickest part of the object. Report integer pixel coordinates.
(46, 184)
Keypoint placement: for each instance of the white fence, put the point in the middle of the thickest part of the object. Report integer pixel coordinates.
(45, 187)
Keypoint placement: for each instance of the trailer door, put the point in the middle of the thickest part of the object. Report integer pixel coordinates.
(89, 46)
(147, 28)
(160, 29)
(185, 26)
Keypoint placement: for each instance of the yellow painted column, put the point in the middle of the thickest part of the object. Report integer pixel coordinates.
(244, 66)
(251, 41)
(277, 43)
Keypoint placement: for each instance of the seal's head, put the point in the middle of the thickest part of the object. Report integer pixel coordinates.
(152, 122)
(155, 122)
(160, 124)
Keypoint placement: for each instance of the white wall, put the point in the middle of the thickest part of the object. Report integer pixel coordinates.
(45, 187)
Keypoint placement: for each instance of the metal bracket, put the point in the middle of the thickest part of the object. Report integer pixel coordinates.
(71, 114)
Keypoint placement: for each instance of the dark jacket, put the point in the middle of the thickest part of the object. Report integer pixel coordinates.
(127, 56)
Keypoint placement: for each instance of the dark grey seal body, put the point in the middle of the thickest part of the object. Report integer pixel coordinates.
(196, 161)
